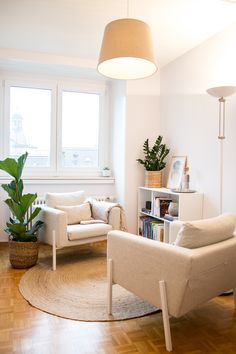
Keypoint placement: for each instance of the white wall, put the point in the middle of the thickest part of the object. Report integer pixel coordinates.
(142, 122)
(135, 114)
(189, 116)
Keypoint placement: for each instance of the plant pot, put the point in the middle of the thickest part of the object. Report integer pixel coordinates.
(23, 254)
(153, 179)
(106, 173)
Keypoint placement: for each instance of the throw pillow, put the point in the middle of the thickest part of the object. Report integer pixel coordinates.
(76, 213)
(205, 232)
(68, 199)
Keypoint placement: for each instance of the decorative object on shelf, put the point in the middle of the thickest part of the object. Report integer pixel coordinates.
(106, 172)
(173, 209)
(180, 190)
(177, 167)
(185, 180)
(221, 92)
(154, 162)
(127, 50)
(23, 245)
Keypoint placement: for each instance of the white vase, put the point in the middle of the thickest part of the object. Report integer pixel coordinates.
(106, 173)
(173, 209)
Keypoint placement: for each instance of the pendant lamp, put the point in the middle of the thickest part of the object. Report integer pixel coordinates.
(127, 51)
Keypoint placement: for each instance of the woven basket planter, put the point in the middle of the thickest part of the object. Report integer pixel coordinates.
(23, 254)
(153, 179)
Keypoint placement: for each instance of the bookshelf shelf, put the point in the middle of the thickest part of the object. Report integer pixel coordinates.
(190, 207)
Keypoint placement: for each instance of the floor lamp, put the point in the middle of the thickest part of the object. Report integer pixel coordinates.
(221, 92)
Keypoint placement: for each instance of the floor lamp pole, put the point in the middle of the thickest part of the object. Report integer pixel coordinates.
(221, 92)
(221, 137)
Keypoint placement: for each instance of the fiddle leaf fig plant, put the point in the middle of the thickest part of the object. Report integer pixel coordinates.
(19, 225)
(154, 156)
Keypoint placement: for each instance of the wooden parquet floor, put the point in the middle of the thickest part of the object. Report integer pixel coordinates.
(27, 330)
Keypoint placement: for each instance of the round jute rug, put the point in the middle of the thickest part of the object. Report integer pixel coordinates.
(78, 289)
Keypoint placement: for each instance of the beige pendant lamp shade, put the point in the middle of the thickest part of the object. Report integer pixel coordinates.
(127, 51)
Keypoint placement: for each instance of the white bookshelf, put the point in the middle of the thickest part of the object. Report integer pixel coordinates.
(190, 205)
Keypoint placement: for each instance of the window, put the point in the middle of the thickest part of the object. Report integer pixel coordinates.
(63, 128)
(80, 129)
(30, 117)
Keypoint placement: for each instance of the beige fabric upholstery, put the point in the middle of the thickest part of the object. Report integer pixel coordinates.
(73, 198)
(78, 232)
(56, 220)
(101, 210)
(192, 276)
(76, 213)
(205, 232)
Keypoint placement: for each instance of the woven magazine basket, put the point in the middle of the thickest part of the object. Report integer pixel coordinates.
(153, 179)
(23, 254)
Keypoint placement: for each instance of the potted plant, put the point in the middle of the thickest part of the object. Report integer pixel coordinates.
(106, 172)
(23, 243)
(154, 162)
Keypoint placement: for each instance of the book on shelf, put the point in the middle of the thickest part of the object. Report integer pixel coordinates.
(151, 228)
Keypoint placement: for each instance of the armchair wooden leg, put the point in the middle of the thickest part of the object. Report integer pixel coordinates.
(165, 315)
(109, 280)
(54, 251)
(234, 292)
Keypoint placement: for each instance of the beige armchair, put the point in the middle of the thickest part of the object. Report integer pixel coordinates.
(175, 279)
(70, 220)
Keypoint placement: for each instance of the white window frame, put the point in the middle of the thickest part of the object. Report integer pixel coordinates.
(57, 87)
(103, 128)
(34, 85)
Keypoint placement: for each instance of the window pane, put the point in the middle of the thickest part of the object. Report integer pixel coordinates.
(80, 129)
(30, 121)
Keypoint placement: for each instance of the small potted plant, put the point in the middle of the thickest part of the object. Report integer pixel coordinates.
(154, 162)
(106, 172)
(23, 243)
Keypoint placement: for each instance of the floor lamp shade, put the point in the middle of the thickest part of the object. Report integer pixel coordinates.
(221, 91)
(127, 51)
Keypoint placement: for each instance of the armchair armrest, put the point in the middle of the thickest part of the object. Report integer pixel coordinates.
(108, 212)
(114, 218)
(53, 219)
(175, 226)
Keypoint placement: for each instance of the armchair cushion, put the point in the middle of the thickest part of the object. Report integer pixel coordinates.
(72, 198)
(205, 232)
(78, 232)
(76, 213)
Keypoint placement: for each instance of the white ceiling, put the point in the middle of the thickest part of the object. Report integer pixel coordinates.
(74, 28)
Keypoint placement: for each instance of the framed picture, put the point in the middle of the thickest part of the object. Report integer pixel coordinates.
(176, 172)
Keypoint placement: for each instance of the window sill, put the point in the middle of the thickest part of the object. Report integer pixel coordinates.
(62, 180)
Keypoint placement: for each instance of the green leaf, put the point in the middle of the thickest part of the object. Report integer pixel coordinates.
(20, 164)
(14, 167)
(18, 228)
(26, 201)
(15, 209)
(34, 214)
(9, 165)
(35, 228)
